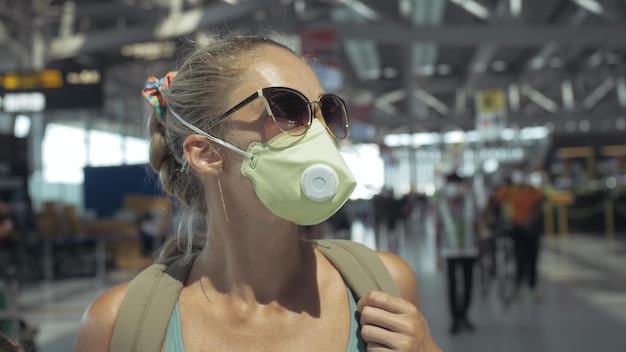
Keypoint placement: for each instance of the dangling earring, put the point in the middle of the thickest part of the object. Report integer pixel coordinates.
(219, 184)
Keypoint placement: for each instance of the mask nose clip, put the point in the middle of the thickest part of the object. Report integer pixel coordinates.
(319, 182)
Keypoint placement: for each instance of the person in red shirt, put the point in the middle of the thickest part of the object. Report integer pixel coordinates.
(521, 204)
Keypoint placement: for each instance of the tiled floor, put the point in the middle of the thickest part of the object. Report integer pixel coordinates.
(582, 304)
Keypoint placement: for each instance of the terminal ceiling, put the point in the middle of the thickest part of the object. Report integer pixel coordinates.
(408, 65)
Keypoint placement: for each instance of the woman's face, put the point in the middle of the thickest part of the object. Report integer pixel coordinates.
(272, 67)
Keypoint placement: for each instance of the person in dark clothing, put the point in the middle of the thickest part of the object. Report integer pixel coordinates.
(522, 206)
(7, 241)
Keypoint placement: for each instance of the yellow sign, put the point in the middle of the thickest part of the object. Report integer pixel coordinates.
(491, 101)
(46, 79)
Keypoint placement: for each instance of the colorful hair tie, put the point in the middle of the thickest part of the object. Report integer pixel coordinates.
(155, 92)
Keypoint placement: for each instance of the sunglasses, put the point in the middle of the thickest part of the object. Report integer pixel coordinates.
(293, 113)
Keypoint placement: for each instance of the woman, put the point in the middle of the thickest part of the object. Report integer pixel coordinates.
(225, 142)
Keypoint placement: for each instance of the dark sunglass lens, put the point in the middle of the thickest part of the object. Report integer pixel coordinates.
(290, 110)
(335, 116)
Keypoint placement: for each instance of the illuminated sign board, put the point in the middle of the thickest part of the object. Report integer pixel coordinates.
(50, 89)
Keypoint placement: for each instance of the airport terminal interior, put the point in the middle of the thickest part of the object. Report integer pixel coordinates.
(497, 93)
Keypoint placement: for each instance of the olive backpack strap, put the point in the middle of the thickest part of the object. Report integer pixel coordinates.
(359, 266)
(151, 297)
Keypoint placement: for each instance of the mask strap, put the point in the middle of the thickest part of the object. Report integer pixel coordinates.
(211, 138)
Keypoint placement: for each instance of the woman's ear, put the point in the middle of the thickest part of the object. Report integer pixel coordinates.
(202, 155)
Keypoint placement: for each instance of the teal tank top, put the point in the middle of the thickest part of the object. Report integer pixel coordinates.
(174, 336)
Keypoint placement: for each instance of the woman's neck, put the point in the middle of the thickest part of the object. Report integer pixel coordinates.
(256, 265)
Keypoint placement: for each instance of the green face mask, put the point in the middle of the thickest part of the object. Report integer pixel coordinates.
(302, 179)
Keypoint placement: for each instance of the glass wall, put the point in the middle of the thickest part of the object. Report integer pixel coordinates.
(66, 150)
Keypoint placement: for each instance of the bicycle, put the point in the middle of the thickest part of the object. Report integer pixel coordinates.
(486, 265)
(506, 268)
(498, 267)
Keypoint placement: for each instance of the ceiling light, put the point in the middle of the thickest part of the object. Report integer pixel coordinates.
(584, 125)
(390, 72)
(424, 138)
(480, 67)
(444, 69)
(499, 66)
(149, 51)
(22, 126)
(397, 140)
(404, 7)
(490, 165)
(474, 8)
(507, 134)
(426, 70)
(537, 63)
(454, 137)
(516, 7)
(590, 5)
(361, 9)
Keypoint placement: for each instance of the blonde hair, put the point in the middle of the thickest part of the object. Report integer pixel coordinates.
(198, 94)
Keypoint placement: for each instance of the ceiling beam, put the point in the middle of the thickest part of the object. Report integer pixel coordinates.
(20, 52)
(603, 9)
(176, 25)
(468, 36)
(600, 92)
(462, 36)
(484, 54)
(602, 122)
(539, 98)
(435, 85)
(474, 7)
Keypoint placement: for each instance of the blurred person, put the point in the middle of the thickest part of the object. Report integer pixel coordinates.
(406, 207)
(457, 242)
(364, 212)
(8, 242)
(522, 204)
(380, 203)
(232, 133)
(151, 230)
(23, 214)
(6, 222)
(9, 265)
(341, 224)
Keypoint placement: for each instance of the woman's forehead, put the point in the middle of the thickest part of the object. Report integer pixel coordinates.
(277, 67)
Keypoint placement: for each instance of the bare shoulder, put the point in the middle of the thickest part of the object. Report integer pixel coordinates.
(402, 275)
(96, 327)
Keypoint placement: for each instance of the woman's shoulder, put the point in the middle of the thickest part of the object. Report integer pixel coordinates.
(402, 275)
(96, 327)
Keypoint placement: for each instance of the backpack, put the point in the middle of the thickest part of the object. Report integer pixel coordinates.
(143, 316)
